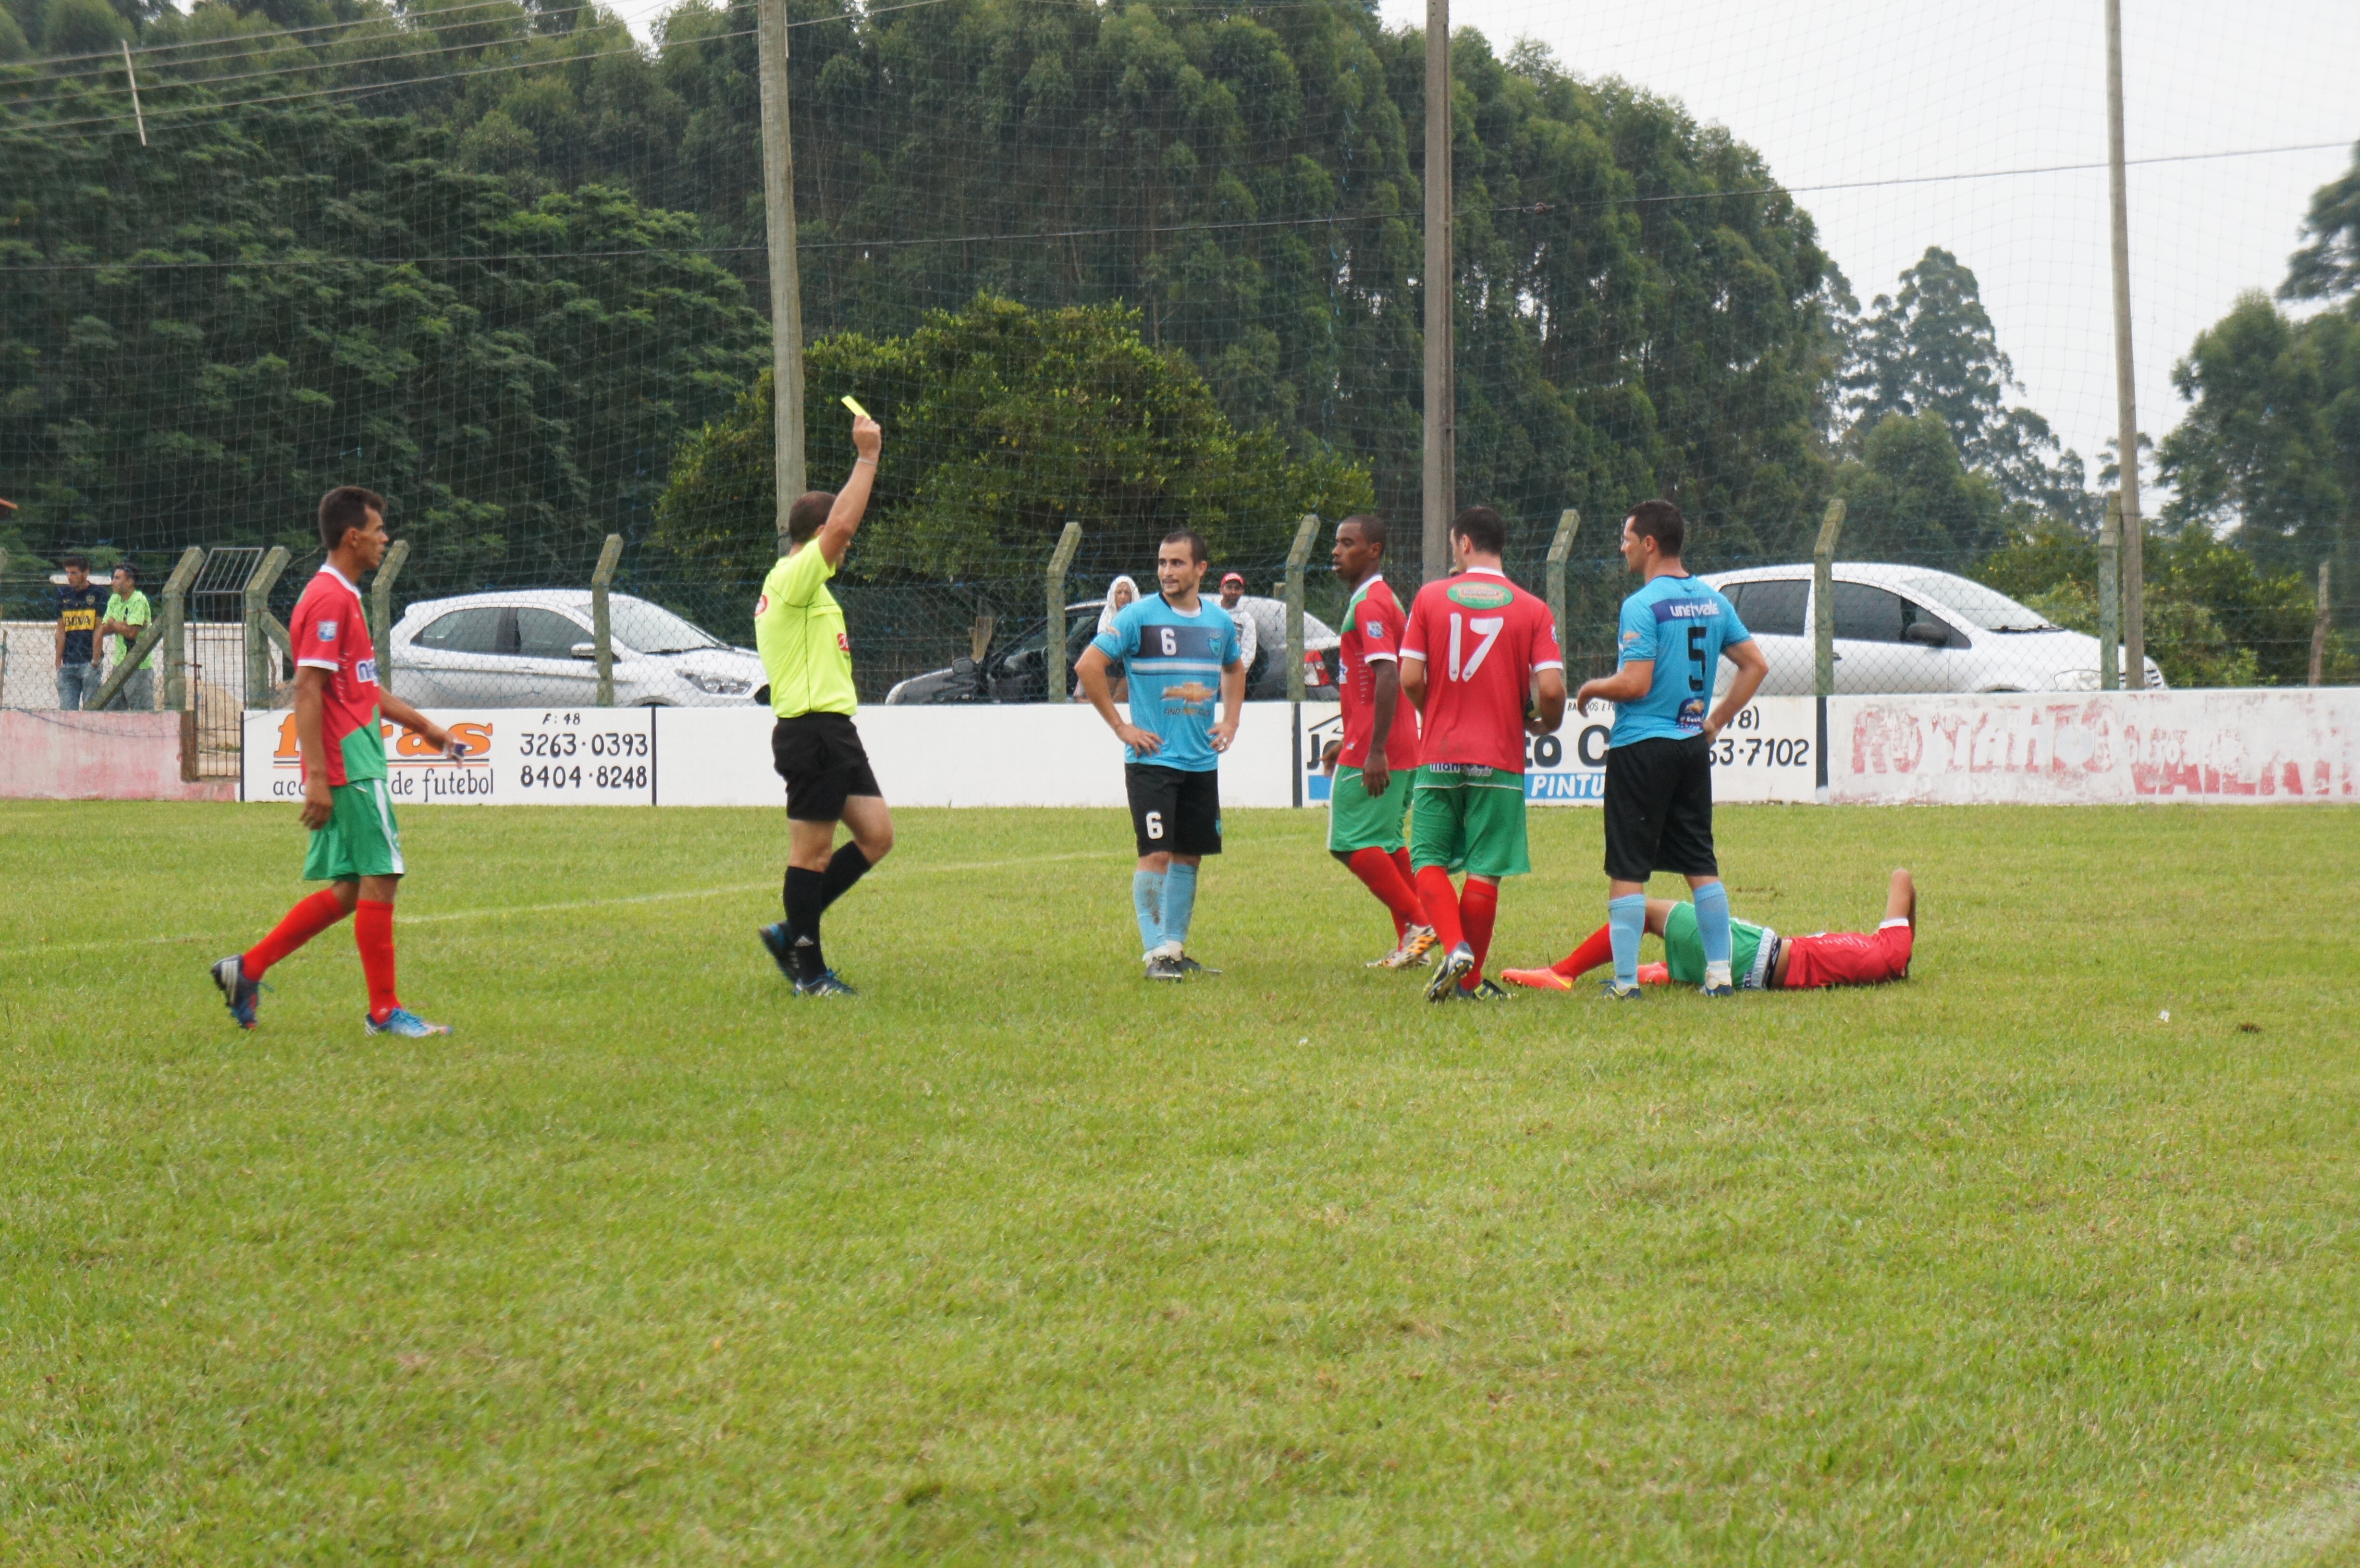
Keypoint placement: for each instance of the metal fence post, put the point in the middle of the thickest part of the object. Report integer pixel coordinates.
(2110, 596)
(381, 613)
(602, 628)
(1560, 550)
(257, 647)
(1823, 626)
(1053, 639)
(2319, 629)
(176, 631)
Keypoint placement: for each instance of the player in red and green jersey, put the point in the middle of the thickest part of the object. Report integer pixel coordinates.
(1480, 661)
(1378, 756)
(355, 845)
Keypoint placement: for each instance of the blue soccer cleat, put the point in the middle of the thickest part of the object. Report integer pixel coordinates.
(1619, 993)
(237, 990)
(406, 1024)
(829, 984)
(782, 952)
(1723, 989)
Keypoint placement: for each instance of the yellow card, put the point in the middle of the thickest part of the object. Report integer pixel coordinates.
(853, 403)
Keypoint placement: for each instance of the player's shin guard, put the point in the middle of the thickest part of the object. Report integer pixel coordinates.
(1147, 903)
(1711, 902)
(1179, 903)
(373, 934)
(1376, 870)
(1626, 920)
(298, 926)
(1596, 949)
(846, 866)
(1440, 901)
(1479, 906)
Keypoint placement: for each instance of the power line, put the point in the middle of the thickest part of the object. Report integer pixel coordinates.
(296, 32)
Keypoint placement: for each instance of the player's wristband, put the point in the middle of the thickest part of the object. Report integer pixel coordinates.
(859, 461)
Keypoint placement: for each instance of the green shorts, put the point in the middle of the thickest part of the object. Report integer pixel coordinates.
(1358, 821)
(360, 839)
(1684, 950)
(1468, 817)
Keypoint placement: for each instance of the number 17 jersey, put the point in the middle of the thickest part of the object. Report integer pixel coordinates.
(1482, 639)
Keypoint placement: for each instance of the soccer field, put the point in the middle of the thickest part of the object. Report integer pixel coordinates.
(1016, 1257)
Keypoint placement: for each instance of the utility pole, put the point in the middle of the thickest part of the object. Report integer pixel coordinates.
(786, 279)
(2125, 389)
(1441, 497)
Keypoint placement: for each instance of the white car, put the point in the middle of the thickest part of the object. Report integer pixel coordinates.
(1908, 628)
(532, 648)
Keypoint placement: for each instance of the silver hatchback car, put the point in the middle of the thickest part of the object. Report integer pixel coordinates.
(532, 648)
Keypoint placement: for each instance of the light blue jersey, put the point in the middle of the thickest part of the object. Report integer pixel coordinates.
(1682, 624)
(1174, 663)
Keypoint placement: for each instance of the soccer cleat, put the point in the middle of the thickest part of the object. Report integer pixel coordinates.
(1450, 972)
(1539, 979)
(1416, 944)
(827, 984)
(1616, 992)
(1721, 990)
(1164, 966)
(1485, 991)
(774, 938)
(401, 1021)
(237, 990)
(1190, 966)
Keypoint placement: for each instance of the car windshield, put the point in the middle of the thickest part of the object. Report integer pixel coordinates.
(647, 628)
(1978, 605)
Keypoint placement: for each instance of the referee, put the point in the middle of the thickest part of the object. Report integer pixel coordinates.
(799, 631)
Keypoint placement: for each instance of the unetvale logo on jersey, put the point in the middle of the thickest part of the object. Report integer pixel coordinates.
(406, 746)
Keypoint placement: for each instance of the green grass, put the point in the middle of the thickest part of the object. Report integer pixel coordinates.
(1017, 1258)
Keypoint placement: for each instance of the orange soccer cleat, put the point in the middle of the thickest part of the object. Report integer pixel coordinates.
(1539, 979)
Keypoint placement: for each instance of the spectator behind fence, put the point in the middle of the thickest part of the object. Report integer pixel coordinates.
(126, 617)
(1123, 590)
(1233, 592)
(78, 602)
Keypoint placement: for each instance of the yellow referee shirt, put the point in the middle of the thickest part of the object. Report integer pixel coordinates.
(799, 631)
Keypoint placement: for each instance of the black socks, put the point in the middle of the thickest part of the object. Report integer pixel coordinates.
(807, 896)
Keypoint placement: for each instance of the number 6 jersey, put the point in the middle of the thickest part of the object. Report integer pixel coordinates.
(1682, 624)
(1482, 639)
(1173, 661)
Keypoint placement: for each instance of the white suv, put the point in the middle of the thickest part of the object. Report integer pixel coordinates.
(1909, 628)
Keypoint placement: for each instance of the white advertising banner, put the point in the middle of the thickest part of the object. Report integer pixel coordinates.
(1765, 755)
(518, 757)
(2255, 746)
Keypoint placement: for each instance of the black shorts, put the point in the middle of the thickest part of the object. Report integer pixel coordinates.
(1659, 808)
(821, 759)
(1175, 811)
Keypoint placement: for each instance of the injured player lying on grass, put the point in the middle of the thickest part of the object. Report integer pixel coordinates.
(1761, 960)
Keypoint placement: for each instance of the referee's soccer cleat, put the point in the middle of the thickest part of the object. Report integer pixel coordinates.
(1450, 972)
(1620, 993)
(237, 990)
(828, 983)
(782, 952)
(1414, 945)
(408, 1025)
(1164, 966)
(1539, 979)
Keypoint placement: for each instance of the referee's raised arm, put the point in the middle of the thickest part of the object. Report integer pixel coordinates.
(834, 535)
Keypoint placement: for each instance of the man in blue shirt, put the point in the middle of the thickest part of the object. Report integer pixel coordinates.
(1674, 632)
(1179, 652)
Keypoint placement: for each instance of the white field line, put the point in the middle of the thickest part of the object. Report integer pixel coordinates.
(500, 910)
(2296, 1536)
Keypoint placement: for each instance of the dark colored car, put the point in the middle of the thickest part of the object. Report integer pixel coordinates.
(1012, 672)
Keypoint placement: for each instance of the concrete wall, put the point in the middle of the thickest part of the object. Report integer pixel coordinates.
(50, 756)
(217, 666)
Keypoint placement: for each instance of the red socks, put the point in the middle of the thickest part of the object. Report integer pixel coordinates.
(1596, 949)
(1375, 869)
(298, 926)
(1441, 903)
(373, 934)
(1479, 906)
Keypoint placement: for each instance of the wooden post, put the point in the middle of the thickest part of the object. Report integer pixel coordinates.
(786, 278)
(1560, 550)
(602, 626)
(1823, 627)
(257, 611)
(1442, 477)
(2110, 596)
(1297, 554)
(389, 572)
(175, 634)
(2125, 387)
(2319, 629)
(1053, 641)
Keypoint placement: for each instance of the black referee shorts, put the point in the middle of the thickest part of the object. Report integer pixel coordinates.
(821, 759)
(1172, 811)
(1659, 808)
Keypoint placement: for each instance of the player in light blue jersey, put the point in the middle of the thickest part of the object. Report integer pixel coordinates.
(1180, 654)
(1674, 632)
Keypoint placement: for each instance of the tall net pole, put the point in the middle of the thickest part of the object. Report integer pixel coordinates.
(2125, 388)
(786, 281)
(1441, 479)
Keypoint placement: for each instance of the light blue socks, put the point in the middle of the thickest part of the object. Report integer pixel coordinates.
(1713, 921)
(1626, 922)
(1179, 903)
(1147, 903)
